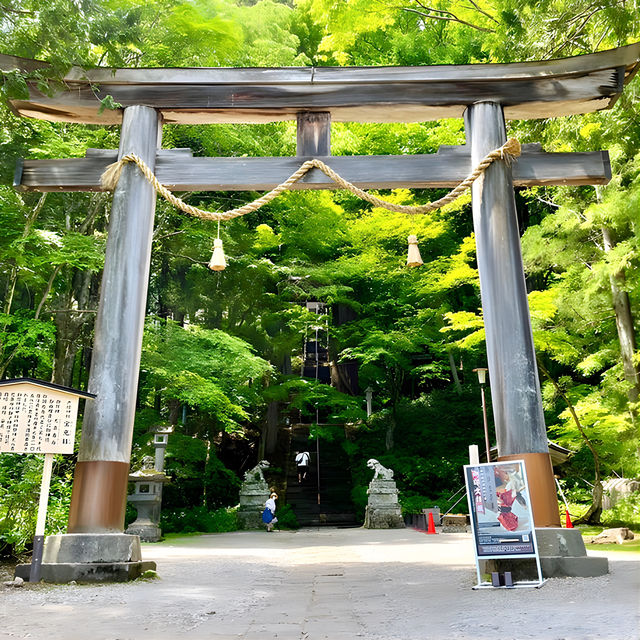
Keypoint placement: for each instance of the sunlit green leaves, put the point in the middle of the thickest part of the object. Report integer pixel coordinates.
(208, 370)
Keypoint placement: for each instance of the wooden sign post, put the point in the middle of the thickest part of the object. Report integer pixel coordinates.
(38, 417)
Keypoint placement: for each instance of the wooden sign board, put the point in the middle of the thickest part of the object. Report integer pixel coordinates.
(37, 417)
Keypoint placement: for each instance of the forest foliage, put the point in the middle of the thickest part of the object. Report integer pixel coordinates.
(220, 348)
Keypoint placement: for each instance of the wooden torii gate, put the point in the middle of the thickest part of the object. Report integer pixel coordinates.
(484, 94)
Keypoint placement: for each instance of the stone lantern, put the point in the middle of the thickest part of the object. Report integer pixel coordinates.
(160, 440)
(147, 499)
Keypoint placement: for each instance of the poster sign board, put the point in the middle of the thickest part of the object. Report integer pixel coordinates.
(37, 417)
(500, 508)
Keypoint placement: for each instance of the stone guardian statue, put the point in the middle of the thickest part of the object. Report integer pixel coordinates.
(253, 494)
(383, 509)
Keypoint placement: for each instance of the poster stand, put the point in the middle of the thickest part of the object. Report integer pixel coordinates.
(498, 532)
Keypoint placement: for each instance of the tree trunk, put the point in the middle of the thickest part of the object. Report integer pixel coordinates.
(624, 325)
(454, 372)
(69, 325)
(391, 428)
(174, 411)
(65, 351)
(13, 272)
(592, 516)
(396, 378)
(271, 428)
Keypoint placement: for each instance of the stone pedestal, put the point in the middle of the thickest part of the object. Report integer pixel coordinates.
(383, 509)
(147, 499)
(562, 555)
(146, 525)
(90, 557)
(253, 494)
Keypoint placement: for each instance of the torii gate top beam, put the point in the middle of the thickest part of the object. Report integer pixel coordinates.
(525, 90)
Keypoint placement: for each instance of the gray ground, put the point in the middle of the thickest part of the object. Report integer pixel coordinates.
(326, 583)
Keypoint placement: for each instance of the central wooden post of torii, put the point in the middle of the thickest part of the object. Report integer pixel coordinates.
(484, 94)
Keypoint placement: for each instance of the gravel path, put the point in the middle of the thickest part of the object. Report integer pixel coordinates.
(325, 583)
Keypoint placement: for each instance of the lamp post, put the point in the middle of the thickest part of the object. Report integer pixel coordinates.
(482, 379)
(368, 394)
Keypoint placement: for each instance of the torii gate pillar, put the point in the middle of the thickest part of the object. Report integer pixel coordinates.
(99, 494)
(517, 406)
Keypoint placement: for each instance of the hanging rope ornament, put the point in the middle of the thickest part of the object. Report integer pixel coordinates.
(507, 152)
(414, 259)
(218, 262)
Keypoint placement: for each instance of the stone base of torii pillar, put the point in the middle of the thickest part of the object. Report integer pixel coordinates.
(562, 555)
(562, 552)
(90, 557)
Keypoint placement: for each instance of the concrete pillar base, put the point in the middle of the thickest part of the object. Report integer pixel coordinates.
(562, 555)
(61, 573)
(92, 547)
(90, 557)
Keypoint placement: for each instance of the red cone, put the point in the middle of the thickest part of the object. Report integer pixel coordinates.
(432, 527)
(567, 520)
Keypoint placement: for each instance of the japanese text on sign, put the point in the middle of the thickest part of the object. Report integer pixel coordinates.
(36, 420)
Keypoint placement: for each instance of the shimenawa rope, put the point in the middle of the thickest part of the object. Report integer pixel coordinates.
(509, 150)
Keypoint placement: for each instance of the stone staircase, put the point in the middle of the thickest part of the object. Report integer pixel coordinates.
(335, 507)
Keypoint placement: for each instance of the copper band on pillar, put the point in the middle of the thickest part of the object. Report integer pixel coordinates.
(542, 488)
(99, 497)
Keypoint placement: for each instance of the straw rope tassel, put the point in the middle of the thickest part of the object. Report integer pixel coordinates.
(414, 259)
(218, 261)
(109, 179)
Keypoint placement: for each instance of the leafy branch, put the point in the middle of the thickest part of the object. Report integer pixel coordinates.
(576, 27)
(448, 16)
(6, 9)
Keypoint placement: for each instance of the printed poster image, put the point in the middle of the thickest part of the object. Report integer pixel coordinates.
(500, 509)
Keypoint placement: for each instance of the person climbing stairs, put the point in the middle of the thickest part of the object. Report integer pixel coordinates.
(322, 498)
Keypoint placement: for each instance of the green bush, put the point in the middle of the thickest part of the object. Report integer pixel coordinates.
(287, 518)
(197, 476)
(575, 490)
(431, 446)
(20, 478)
(625, 514)
(199, 520)
(415, 504)
(222, 485)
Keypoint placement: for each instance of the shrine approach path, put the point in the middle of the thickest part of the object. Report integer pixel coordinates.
(318, 584)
